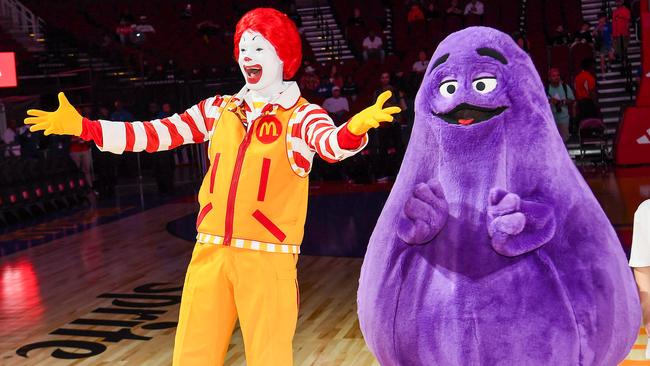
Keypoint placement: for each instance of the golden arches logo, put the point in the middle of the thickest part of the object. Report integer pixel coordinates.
(268, 129)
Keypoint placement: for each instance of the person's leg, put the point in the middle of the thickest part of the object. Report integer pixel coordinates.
(75, 156)
(266, 294)
(602, 64)
(563, 128)
(86, 166)
(207, 316)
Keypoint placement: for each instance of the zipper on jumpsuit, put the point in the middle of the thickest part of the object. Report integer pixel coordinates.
(234, 182)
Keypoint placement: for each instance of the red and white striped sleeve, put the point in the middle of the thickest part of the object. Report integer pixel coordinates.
(192, 126)
(323, 137)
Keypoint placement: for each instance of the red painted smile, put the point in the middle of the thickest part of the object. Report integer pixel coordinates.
(253, 73)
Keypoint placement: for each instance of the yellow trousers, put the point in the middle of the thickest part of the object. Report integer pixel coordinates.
(224, 282)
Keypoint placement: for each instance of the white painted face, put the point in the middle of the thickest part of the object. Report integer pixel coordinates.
(259, 62)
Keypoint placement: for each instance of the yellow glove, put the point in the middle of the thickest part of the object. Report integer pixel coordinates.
(64, 121)
(373, 115)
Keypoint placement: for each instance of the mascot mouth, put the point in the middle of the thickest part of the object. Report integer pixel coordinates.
(467, 114)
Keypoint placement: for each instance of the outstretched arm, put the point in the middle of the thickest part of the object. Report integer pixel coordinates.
(518, 226)
(192, 126)
(333, 143)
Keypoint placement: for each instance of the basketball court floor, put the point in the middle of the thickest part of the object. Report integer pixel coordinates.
(102, 286)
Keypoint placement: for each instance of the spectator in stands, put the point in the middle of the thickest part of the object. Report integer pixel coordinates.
(389, 135)
(171, 70)
(420, 66)
(9, 138)
(583, 35)
(560, 37)
(208, 30)
(431, 13)
(373, 46)
(187, 11)
(454, 18)
(121, 114)
(415, 14)
(585, 87)
(29, 142)
(521, 40)
(163, 165)
(325, 87)
(621, 29)
(356, 20)
(603, 41)
(9, 134)
(474, 7)
(335, 78)
(123, 31)
(350, 88)
(336, 105)
(139, 31)
(560, 96)
(454, 9)
(309, 80)
(143, 26)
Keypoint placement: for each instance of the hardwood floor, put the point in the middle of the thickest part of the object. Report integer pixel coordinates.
(93, 292)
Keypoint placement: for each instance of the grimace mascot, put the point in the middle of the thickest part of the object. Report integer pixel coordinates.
(491, 248)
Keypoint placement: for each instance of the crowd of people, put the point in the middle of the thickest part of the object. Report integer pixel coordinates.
(99, 169)
(577, 100)
(340, 92)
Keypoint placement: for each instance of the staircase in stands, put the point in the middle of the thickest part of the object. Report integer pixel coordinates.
(23, 25)
(321, 30)
(612, 92)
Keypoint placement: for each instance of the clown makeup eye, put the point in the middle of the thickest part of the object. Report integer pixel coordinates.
(259, 49)
(448, 88)
(484, 85)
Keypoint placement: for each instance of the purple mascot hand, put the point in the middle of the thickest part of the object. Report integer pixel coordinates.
(517, 226)
(424, 214)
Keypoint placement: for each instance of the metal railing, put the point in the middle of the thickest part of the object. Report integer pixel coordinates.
(22, 18)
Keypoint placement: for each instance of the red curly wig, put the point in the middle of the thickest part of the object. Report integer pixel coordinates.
(279, 30)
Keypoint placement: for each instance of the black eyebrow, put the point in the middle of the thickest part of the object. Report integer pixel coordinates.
(439, 61)
(491, 52)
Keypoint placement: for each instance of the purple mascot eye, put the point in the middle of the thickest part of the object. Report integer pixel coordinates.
(491, 248)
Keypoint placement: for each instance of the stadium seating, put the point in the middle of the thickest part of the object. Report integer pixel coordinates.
(32, 187)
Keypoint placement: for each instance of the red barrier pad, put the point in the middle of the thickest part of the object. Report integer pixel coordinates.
(633, 142)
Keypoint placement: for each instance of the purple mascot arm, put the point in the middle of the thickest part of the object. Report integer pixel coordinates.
(518, 226)
(424, 214)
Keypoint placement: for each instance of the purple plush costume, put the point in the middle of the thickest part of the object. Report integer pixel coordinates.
(491, 249)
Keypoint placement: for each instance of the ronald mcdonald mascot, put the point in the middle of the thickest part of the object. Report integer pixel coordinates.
(253, 200)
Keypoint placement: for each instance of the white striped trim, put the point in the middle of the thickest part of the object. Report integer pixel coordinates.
(113, 136)
(249, 244)
(298, 145)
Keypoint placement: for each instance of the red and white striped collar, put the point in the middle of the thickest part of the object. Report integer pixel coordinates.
(287, 98)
